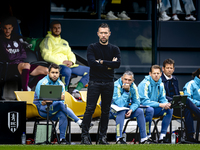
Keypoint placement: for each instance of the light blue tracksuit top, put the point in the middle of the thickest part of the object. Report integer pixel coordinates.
(47, 81)
(192, 90)
(152, 93)
(122, 98)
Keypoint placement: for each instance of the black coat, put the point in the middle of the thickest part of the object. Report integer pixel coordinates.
(166, 84)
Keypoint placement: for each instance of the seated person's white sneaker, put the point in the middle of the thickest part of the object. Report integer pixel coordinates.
(175, 18)
(164, 17)
(191, 18)
(110, 16)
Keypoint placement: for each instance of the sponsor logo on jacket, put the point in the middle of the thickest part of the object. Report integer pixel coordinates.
(12, 51)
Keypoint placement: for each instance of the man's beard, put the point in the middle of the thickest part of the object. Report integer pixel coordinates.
(103, 41)
(7, 35)
(56, 35)
(53, 79)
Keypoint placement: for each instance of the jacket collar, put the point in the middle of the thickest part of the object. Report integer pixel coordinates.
(155, 83)
(152, 82)
(51, 82)
(165, 79)
(197, 80)
(50, 35)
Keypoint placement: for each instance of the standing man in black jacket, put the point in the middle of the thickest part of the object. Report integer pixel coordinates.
(103, 58)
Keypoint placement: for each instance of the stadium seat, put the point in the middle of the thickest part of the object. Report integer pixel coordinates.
(32, 111)
(79, 107)
(137, 128)
(28, 96)
(97, 112)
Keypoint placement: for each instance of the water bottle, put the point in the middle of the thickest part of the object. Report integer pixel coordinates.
(124, 136)
(23, 138)
(173, 138)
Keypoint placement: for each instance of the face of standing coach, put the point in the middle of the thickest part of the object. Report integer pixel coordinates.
(103, 34)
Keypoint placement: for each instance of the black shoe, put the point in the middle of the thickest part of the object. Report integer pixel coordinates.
(121, 141)
(91, 125)
(103, 141)
(64, 141)
(164, 140)
(150, 140)
(85, 140)
(145, 142)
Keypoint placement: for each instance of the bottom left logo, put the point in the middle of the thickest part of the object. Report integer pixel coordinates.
(13, 121)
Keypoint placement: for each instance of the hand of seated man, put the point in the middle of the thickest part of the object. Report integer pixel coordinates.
(68, 63)
(128, 114)
(126, 87)
(167, 106)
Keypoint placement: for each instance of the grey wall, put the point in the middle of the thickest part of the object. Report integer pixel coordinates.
(176, 40)
(179, 34)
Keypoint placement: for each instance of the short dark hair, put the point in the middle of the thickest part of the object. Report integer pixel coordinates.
(54, 22)
(7, 21)
(168, 61)
(55, 66)
(155, 67)
(196, 73)
(104, 25)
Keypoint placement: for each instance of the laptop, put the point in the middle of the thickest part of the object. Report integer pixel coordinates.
(50, 92)
(178, 100)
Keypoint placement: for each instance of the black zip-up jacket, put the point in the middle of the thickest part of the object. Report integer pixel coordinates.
(166, 84)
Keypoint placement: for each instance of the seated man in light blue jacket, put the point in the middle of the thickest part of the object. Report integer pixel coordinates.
(58, 110)
(192, 90)
(126, 95)
(152, 93)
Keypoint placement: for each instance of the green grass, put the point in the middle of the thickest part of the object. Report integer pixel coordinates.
(103, 147)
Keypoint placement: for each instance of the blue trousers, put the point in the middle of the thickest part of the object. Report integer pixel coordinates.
(157, 113)
(61, 113)
(148, 113)
(80, 71)
(190, 109)
(120, 116)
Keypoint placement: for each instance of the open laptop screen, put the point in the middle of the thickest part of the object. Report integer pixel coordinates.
(178, 100)
(50, 92)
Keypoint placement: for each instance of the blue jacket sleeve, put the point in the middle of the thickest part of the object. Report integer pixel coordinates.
(119, 98)
(135, 97)
(188, 90)
(143, 89)
(37, 93)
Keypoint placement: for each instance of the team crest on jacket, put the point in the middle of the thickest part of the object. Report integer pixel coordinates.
(13, 121)
(15, 44)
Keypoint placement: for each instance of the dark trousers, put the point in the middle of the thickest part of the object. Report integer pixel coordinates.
(189, 111)
(105, 89)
